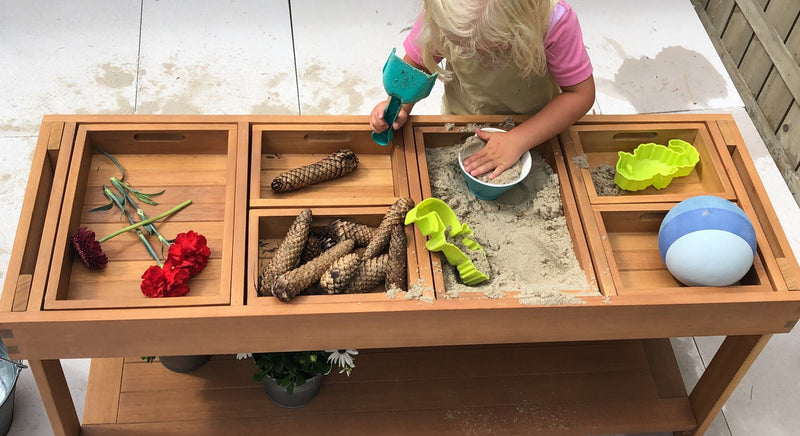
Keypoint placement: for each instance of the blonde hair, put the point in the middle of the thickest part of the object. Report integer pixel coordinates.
(493, 31)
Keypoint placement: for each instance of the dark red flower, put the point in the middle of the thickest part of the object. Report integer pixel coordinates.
(89, 249)
(168, 281)
(189, 251)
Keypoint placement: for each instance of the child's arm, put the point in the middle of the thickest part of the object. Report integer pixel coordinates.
(504, 149)
(376, 116)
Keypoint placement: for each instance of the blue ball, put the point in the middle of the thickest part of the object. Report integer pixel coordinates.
(707, 241)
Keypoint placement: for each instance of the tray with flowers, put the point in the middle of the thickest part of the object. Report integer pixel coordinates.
(148, 219)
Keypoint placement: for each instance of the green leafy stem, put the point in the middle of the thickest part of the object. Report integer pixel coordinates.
(144, 223)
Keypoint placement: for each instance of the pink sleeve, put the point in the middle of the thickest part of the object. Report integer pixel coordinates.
(567, 58)
(410, 44)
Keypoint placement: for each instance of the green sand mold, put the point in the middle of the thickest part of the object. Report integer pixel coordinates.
(433, 216)
(654, 164)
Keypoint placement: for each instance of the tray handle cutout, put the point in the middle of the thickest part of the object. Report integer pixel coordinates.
(635, 136)
(315, 138)
(159, 137)
(652, 216)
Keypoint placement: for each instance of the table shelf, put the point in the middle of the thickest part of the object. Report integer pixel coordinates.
(556, 388)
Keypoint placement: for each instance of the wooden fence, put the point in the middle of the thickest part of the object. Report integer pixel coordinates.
(759, 41)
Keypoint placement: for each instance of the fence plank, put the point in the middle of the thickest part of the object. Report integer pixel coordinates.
(737, 35)
(755, 66)
(774, 99)
(781, 15)
(719, 11)
(793, 42)
(789, 135)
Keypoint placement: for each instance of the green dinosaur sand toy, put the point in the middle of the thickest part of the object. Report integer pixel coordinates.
(654, 164)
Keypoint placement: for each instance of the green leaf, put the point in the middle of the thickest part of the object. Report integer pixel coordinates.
(145, 197)
(106, 207)
(122, 171)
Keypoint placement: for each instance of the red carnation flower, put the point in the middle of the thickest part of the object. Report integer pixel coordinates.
(168, 281)
(189, 251)
(89, 249)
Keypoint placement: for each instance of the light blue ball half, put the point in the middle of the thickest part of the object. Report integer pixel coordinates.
(707, 241)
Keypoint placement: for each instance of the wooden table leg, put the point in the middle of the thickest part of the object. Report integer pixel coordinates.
(52, 384)
(729, 365)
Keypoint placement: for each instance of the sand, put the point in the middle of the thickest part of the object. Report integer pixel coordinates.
(602, 177)
(524, 234)
(603, 180)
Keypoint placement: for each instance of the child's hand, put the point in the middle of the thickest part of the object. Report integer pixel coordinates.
(502, 150)
(377, 122)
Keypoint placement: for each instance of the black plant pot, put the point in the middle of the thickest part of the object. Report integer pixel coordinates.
(300, 396)
(183, 364)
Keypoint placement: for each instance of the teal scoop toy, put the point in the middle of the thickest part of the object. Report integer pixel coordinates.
(404, 84)
(433, 217)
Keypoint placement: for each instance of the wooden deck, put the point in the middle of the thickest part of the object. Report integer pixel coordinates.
(554, 388)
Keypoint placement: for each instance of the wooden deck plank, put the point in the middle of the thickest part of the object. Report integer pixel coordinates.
(384, 365)
(593, 418)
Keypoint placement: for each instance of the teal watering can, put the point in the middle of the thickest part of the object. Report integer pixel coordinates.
(404, 84)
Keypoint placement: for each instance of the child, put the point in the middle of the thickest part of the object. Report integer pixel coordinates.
(502, 57)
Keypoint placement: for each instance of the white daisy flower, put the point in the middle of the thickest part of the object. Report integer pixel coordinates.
(343, 359)
(240, 356)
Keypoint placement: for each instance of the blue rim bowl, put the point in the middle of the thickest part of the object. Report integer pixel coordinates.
(489, 191)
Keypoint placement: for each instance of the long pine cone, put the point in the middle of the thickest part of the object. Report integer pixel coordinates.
(336, 279)
(370, 273)
(361, 234)
(352, 275)
(336, 165)
(397, 263)
(395, 216)
(319, 240)
(288, 285)
(287, 256)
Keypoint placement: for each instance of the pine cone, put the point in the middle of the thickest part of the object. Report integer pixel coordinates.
(336, 165)
(319, 240)
(287, 256)
(288, 285)
(352, 275)
(340, 274)
(395, 216)
(370, 273)
(359, 233)
(397, 264)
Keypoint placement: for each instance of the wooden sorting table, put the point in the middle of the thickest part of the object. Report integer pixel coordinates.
(431, 365)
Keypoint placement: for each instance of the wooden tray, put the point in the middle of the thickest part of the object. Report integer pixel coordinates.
(600, 144)
(629, 237)
(432, 136)
(272, 224)
(380, 178)
(27, 273)
(196, 162)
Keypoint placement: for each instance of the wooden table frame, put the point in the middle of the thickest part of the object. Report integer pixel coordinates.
(748, 320)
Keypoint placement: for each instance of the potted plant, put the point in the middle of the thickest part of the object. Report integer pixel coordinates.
(292, 379)
(180, 364)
